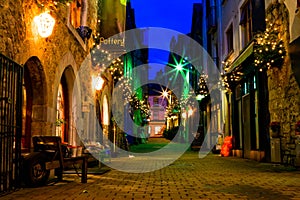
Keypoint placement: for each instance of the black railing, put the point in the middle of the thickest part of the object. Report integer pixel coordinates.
(10, 124)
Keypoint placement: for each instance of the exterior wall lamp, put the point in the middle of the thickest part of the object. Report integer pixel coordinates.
(45, 24)
(98, 83)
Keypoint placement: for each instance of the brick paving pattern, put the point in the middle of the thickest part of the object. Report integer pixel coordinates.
(189, 177)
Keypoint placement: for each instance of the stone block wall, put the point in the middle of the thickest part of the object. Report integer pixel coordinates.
(284, 92)
(20, 42)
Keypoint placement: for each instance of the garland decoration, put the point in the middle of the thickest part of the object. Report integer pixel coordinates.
(269, 49)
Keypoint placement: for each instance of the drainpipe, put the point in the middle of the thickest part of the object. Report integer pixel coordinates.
(83, 13)
(84, 31)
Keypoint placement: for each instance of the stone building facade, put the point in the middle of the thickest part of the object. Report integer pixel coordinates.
(259, 96)
(53, 66)
(284, 93)
(284, 90)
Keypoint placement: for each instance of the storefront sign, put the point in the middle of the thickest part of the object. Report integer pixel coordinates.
(112, 41)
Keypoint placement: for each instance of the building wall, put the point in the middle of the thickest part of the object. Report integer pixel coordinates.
(283, 89)
(46, 58)
(284, 92)
(158, 107)
(241, 116)
(294, 16)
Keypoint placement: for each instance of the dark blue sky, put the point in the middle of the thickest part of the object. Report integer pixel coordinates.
(172, 14)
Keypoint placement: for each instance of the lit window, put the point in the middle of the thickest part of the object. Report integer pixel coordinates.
(155, 100)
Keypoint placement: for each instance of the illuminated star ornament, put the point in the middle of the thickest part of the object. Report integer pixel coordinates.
(179, 65)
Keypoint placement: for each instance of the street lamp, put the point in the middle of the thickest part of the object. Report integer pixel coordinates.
(98, 82)
(45, 24)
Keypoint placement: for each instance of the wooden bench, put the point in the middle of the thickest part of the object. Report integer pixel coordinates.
(51, 154)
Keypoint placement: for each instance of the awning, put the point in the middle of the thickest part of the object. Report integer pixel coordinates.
(242, 57)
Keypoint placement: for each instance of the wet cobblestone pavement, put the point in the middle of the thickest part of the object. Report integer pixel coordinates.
(189, 177)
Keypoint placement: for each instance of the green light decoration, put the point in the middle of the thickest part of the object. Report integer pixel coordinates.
(136, 103)
(269, 49)
(179, 66)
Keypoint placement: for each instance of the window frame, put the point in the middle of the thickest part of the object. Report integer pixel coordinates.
(229, 39)
(246, 23)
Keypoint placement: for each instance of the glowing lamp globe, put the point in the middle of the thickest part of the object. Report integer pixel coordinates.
(98, 83)
(45, 24)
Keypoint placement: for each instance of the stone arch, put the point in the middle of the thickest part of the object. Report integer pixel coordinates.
(37, 76)
(66, 75)
(105, 110)
(35, 98)
(67, 82)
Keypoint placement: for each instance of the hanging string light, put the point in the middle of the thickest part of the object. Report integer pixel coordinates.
(203, 89)
(230, 79)
(269, 49)
(132, 99)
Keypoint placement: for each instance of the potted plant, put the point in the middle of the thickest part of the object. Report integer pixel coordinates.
(275, 129)
(84, 32)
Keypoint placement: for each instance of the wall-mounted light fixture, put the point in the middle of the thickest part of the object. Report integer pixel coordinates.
(45, 24)
(98, 82)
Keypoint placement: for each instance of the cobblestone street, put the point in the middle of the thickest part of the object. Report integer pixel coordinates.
(212, 177)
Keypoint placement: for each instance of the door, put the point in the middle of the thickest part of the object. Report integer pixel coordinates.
(246, 125)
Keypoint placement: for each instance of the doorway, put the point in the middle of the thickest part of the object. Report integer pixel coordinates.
(246, 125)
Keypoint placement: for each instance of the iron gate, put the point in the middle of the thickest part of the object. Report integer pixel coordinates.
(10, 124)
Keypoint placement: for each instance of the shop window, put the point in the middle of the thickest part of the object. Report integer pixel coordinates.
(254, 82)
(75, 13)
(246, 23)
(229, 39)
(246, 87)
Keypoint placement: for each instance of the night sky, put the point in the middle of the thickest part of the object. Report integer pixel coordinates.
(171, 14)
